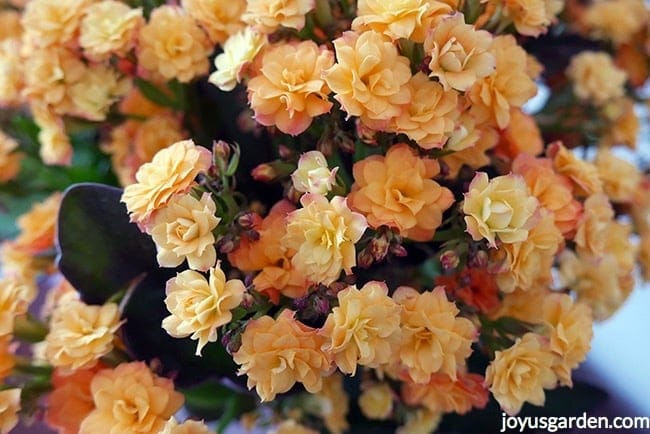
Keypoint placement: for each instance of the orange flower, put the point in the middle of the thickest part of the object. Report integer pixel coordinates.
(11, 79)
(7, 361)
(9, 160)
(532, 17)
(94, 94)
(583, 174)
(289, 92)
(595, 77)
(9, 408)
(592, 227)
(267, 15)
(469, 145)
(55, 143)
(620, 178)
(623, 127)
(616, 20)
(397, 190)
(10, 26)
(130, 399)
(52, 22)
(442, 394)
(219, 18)
(475, 287)
(275, 354)
(522, 135)
(109, 28)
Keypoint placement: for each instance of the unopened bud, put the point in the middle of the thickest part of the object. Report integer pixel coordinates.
(479, 259)
(252, 235)
(367, 135)
(365, 259)
(221, 150)
(378, 248)
(231, 341)
(227, 244)
(285, 152)
(246, 221)
(264, 173)
(449, 260)
(398, 250)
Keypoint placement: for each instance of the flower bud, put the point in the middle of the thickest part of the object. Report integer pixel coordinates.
(264, 173)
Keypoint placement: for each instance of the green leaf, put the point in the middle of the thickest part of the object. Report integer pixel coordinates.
(156, 95)
(214, 400)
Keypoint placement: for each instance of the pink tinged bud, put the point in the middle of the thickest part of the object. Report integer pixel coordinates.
(264, 173)
(449, 260)
(221, 150)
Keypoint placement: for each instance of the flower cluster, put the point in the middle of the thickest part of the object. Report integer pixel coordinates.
(327, 206)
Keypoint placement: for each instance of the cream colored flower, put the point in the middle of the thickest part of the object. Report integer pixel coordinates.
(334, 404)
(172, 171)
(532, 17)
(183, 230)
(459, 53)
(469, 143)
(498, 208)
(9, 159)
(80, 334)
(570, 327)
(429, 119)
(219, 18)
(592, 227)
(364, 328)
(616, 20)
(93, 95)
(323, 234)
(11, 73)
(109, 27)
(199, 306)
(172, 45)
(434, 338)
(376, 401)
(187, 427)
(130, 399)
(289, 92)
(9, 408)
(266, 16)
(239, 50)
(408, 19)
(620, 178)
(53, 137)
(595, 77)
(277, 353)
(370, 77)
(15, 297)
(521, 373)
(52, 22)
(313, 175)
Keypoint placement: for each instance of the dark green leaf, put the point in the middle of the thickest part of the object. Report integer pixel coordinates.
(156, 95)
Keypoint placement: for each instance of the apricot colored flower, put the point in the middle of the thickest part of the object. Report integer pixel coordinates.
(266, 16)
(620, 178)
(15, 297)
(11, 79)
(219, 18)
(408, 19)
(9, 408)
(289, 92)
(376, 401)
(532, 17)
(584, 175)
(323, 234)
(239, 51)
(472, 144)
(524, 305)
(592, 227)
(420, 421)
(9, 159)
(364, 328)
(615, 20)
(70, 400)
(290, 426)
(52, 22)
(172, 171)
(92, 96)
(172, 45)
(522, 135)
(10, 26)
(623, 128)
(474, 286)
(442, 394)
(595, 77)
(7, 360)
(459, 53)
(529, 262)
(434, 338)
(521, 373)
(644, 255)
(397, 190)
(551, 189)
(370, 77)
(570, 325)
(183, 230)
(498, 208)
(80, 334)
(53, 137)
(277, 353)
(199, 306)
(430, 116)
(130, 398)
(109, 28)
(313, 175)
(187, 427)
(334, 404)
(509, 85)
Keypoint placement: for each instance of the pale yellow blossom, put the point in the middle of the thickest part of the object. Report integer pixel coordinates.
(15, 297)
(109, 27)
(267, 16)
(239, 50)
(9, 408)
(219, 18)
(376, 401)
(52, 22)
(313, 175)
(188, 427)
(595, 77)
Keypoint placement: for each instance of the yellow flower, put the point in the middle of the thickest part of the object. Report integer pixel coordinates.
(616, 20)
(9, 160)
(334, 404)
(376, 401)
(9, 408)
(291, 427)
(509, 85)
(532, 17)
(172, 45)
(459, 53)
(312, 174)
(421, 421)
(397, 190)
(430, 117)
(108, 28)
(239, 51)
(187, 427)
(130, 399)
(15, 297)
(408, 19)
(267, 15)
(52, 22)
(364, 328)
(595, 77)
(583, 174)
(521, 373)
(620, 178)
(434, 338)
(469, 144)
(199, 306)
(183, 230)
(219, 18)
(370, 77)
(275, 354)
(289, 91)
(80, 334)
(592, 227)
(500, 207)
(93, 95)
(172, 171)
(570, 327)
(323, 234)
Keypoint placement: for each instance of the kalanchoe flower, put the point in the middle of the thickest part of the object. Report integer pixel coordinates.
(313, 174)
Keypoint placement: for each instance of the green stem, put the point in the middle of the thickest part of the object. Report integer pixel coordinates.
(25, 366)
(324, 13)
(29, 329)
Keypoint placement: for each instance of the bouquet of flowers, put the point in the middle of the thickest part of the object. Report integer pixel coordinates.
(314, 215)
